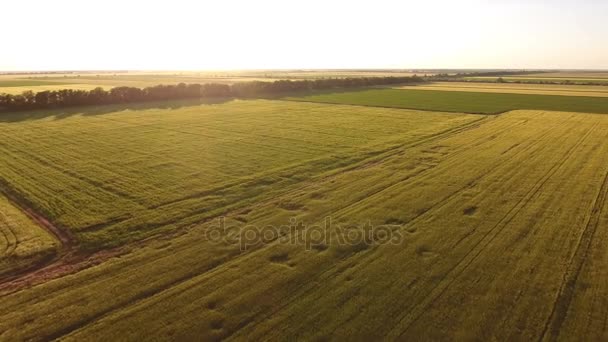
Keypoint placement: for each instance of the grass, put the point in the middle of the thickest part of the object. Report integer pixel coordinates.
(460, 101)
(124, 175)
(22, 242)
(500, 219)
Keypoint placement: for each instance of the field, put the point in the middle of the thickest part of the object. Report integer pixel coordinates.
(22, 242)
(573, 74)
(538, 79)
(256, 219)
(514, 88)
(559, 77)
(459, 101)
(153, 169)
(496, 220)
(18, 83)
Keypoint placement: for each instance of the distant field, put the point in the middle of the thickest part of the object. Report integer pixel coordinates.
(460, 101)
(16, 84)
(501, 223)
(573, 74)
(22, 241)
(37, 88)
(541, 77)
(513, 88)
(128, 174)
(88, 82)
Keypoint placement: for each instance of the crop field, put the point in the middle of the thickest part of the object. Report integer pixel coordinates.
(496, 222)
(25, 83)
(573, 74)
(16, 84)
(22, 242)
(149, 169)
(459, 101)
(513, 88)
(541, 77)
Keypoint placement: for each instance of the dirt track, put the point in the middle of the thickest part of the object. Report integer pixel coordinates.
(66, 260)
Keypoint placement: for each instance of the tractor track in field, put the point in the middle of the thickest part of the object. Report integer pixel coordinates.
(67, 259)
(65, 238)
(567, 288)
(489, 237)
(364, 164)
(62, 266)
(10, 247)
(367, 257)
(62, 235)
(358, 165)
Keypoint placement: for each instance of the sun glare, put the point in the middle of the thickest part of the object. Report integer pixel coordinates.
(242, 34)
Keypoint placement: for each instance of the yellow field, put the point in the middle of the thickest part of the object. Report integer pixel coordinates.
(497, 226)
(75, 86)
(573, 74)
(514, 88)
(22, 242)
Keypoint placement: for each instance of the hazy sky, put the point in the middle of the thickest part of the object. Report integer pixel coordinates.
(250, 34)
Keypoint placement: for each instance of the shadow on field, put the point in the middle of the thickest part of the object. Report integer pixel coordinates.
(64, 113)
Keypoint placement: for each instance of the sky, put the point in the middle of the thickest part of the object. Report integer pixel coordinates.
(311, 34)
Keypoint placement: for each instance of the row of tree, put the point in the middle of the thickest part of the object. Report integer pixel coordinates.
(71, 97)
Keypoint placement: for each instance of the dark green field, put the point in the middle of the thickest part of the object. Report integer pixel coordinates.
(454, 101)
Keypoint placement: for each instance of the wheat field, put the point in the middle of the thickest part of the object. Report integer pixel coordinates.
(496, 223)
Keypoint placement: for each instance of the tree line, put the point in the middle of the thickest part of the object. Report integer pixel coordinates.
(52, 99)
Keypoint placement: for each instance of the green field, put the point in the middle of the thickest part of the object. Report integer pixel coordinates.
(459, 101)
(150, 169)
(500, 223)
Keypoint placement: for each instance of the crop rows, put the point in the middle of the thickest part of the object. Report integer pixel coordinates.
(502, 223)
(122, 176)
